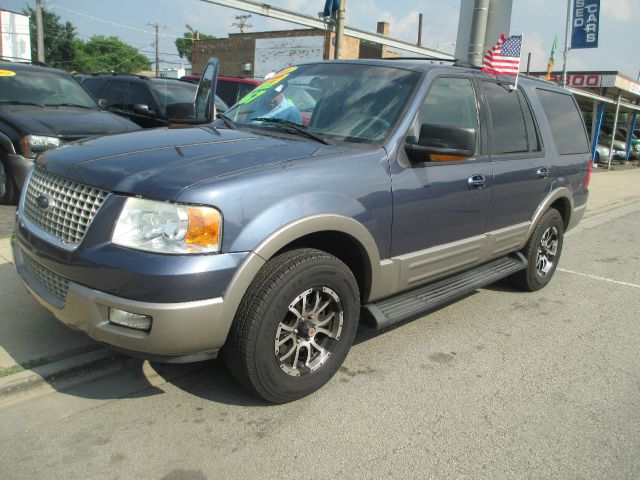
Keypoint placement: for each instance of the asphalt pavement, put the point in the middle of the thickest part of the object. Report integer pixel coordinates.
(501, 384)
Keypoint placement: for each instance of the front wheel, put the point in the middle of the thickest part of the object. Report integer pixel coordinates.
(295, 325)
(8, 190)
(542, 252)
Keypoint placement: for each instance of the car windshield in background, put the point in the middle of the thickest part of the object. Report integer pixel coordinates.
(43, 88)
(170, 91)
(347, 102)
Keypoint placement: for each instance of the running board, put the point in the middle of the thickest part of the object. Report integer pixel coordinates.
(419, 301)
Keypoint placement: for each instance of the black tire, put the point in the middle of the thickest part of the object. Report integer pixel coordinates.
(8, 189)
(249, 351)
(538, 273)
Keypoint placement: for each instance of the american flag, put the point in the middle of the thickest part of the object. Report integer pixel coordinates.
(504, 57)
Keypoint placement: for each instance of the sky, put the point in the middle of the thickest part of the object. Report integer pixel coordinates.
(539, 21)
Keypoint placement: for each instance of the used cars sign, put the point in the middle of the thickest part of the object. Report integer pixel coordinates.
(586, 21)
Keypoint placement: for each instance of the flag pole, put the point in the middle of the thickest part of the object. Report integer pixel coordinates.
(519, 60)
(566, 45)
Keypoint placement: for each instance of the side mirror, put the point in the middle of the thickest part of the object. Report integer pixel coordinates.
(181, 113)
(103, 103)
(141, 109)
(441, 142)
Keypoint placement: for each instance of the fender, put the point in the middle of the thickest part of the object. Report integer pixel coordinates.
(6, 144)
(561, 192)
(281, 238)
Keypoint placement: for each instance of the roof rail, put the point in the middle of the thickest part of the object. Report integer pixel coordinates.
(431, 59)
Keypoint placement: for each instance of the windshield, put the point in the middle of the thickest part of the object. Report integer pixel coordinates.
(39, 87)
(347, 102)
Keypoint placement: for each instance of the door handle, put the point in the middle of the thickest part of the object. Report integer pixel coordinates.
(543, 172)
(476, 182)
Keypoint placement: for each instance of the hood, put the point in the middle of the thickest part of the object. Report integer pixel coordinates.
(162, 162)
(70, 122)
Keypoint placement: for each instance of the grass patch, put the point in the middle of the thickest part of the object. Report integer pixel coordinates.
(5, 372)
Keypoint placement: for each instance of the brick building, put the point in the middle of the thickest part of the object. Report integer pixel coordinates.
(255, 54)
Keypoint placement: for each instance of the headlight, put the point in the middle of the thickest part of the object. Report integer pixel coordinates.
(168, 227)
(34, 144)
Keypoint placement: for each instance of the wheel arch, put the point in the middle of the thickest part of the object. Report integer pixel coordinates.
(342, 237)
(562, 200)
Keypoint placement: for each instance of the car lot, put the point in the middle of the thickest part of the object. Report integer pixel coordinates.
(502, 384)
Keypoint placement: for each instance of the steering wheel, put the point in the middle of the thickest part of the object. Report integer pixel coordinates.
(364, 124)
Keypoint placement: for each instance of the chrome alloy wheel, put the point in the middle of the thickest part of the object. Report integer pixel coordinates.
(309, 332)
(547, 251)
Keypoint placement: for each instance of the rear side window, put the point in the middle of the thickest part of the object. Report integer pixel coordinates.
(94, 85)
(116, 95)
(564, 119)
(509, 130)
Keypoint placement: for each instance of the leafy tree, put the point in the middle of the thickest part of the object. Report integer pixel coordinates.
(108, 54)
(184, 44)
(59, 38)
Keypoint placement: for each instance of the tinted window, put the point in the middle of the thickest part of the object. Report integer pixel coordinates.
(509, 132)
(94, 85)
(170, 91)
(566, 124)
(533, 135)
(139, 95)
(116, 95)
(451, 101)
(227, 91)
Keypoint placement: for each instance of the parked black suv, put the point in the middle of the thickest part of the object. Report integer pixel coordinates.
(42, 108)
(142, 100)
(264, 239)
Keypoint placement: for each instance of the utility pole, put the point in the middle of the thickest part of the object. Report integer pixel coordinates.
(157, 26)
(194, 36)
(340, 29)
(565, 53)
(39, 31)
(420, 17)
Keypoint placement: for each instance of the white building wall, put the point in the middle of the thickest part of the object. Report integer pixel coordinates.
(274, 54)
(16, 38)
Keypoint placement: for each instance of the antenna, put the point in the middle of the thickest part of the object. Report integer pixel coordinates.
(242, 23)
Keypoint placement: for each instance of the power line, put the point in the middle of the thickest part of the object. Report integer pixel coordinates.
(74, 12)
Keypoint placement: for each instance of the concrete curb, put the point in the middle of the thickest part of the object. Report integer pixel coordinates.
(58, 374)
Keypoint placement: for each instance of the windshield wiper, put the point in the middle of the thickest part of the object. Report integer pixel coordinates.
(21, 102)
(294, 126)
(67, 105)
(227, 121)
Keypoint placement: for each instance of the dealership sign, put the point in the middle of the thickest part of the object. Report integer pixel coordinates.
(586, 23)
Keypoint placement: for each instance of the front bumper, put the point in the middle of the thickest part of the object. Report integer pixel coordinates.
(19, 168)
(186, 331)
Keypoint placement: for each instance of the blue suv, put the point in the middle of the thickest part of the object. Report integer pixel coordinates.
(267, 234)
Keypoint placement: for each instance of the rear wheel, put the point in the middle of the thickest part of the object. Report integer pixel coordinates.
(542, 252)
(295, 325)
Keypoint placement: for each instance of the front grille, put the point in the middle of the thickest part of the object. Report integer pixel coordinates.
(71, 210)
(52, 282)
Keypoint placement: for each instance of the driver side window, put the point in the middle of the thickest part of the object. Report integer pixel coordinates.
(451, 102)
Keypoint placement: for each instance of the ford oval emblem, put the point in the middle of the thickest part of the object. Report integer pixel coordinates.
(45, 202)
